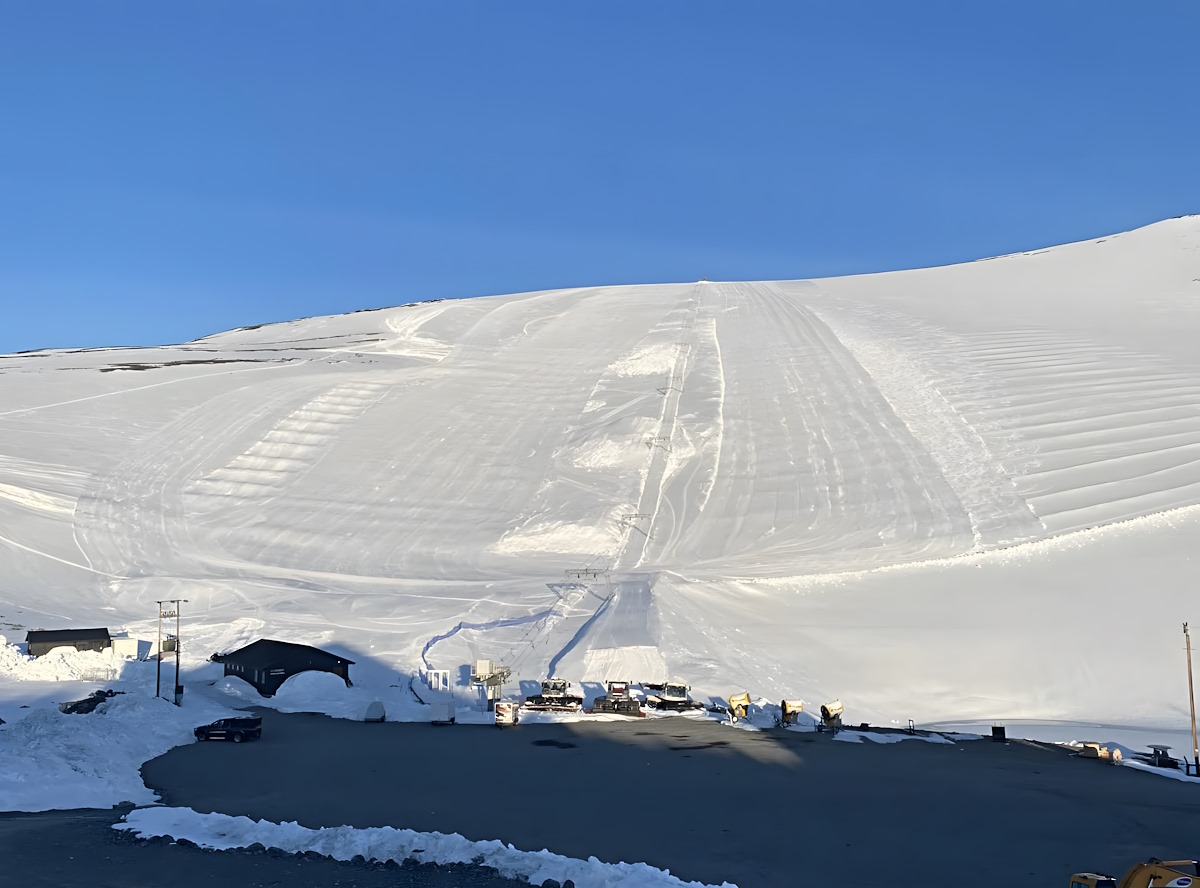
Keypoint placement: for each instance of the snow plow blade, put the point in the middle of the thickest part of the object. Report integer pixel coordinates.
(672, 705)
(533, 704)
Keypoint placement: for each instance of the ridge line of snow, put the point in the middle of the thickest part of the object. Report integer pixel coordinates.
(140, 388)
(1050, 543)
(34, 551)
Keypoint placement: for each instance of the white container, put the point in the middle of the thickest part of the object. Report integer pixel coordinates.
(125, 647)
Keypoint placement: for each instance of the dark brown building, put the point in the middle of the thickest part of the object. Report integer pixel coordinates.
(42, 641)
(267, 664)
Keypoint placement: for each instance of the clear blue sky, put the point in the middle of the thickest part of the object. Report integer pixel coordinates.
(169, 170)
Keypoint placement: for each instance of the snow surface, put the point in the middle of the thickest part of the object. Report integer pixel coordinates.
(222, 832)
(965, 496)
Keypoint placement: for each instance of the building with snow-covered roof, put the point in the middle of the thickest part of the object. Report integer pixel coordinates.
(42, 641)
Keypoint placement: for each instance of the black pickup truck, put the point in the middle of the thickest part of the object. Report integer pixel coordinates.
(235, 729)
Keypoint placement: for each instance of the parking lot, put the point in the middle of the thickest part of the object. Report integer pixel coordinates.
(707, 802)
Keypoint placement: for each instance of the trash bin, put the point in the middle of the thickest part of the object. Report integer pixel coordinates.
(998, 734)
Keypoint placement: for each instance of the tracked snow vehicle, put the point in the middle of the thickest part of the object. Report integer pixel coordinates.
(619, 700)
(672, 697)
(556, 696)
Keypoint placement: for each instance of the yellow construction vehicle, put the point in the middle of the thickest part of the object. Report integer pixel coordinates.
(1153, 873)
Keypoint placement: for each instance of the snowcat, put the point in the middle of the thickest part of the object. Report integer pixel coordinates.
(619, 700)
(1153, 873)
(555, 696)
(672, 697)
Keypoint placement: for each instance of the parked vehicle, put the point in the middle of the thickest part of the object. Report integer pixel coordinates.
(556, 696)
(672, 696)
(235, 729)
(619, 700)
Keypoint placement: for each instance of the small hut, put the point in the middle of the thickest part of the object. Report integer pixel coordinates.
(266, 663)
(42, 641)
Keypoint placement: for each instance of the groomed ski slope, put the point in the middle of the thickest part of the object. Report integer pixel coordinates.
(946, 494)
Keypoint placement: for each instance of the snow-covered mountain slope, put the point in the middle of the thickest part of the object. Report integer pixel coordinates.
(910, 490)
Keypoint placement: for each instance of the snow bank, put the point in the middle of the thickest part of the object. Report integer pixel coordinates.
(326, 694)
(1161, 772)
(60, 664)
(56, 761)
(222, 832)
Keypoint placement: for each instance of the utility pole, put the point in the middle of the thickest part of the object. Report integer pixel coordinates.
(1192, 702)
(158, 656)
(168, 613)
(177, 610)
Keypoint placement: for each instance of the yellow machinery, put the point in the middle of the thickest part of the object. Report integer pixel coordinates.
(791, 711)
(831, 714)
(1151, 874)
(738, 704)
(1090, 750)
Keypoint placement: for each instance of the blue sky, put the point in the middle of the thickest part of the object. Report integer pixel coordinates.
(169, 170)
